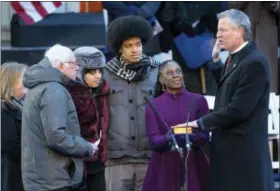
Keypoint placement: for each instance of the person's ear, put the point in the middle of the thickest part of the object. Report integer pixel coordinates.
(61, 66)
(161, 80)
(120, 50)
(240, 33)
(56, 64)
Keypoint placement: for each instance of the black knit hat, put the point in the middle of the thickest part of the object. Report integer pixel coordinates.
(126, 27)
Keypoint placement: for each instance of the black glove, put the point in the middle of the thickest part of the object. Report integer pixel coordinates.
(209, 22)
(181, 26)
(187, 29)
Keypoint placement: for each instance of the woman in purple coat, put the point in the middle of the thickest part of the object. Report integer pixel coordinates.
(173, 102)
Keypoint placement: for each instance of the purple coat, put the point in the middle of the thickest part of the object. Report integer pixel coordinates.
(164, 169)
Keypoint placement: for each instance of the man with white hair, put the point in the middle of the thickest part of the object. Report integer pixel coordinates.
(240, 159)
(52, 148)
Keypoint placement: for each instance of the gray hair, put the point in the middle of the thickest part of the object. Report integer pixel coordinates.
(240, 19)
(59, 52)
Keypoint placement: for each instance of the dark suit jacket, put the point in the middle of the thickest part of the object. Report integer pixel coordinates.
(240, 158)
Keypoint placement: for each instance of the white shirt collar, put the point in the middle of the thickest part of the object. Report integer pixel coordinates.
(240, 47)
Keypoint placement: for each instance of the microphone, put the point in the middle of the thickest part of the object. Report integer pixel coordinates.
(165, 124)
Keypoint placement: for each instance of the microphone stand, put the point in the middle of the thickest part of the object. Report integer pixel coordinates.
(183, 186)
(184, 181)
(175, 144)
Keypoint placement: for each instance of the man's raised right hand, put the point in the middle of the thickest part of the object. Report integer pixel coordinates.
(216, 52)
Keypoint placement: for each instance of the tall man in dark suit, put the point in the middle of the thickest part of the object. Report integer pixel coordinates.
(240, 157)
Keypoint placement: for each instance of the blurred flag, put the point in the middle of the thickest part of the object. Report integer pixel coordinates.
(34, 11)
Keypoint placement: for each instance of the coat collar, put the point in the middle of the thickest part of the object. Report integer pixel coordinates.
(12, 109)
(240, 47)
(79, 87)
(179, 93)
(237, 58)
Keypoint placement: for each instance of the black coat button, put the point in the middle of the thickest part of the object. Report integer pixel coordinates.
(133, 137)
(130, 101)
(131, 118)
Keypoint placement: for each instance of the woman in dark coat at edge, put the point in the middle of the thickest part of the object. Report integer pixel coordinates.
(12, 93)
(90, 95)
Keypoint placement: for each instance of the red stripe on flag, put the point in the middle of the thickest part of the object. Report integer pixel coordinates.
(40, 8)
(21, 12)
(57, 3)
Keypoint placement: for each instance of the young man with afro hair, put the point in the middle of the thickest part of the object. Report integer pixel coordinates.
(132, 77)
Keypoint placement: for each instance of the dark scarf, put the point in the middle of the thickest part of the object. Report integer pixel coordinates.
(13, 106)
(132, 72)
(17, 103)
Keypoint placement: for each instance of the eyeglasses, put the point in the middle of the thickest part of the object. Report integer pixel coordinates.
(71, 63)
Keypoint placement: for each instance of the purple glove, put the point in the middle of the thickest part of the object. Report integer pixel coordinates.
(168, 136)
(181, 140)
(199, 138)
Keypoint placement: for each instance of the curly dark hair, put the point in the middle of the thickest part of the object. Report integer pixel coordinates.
(126, 27)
